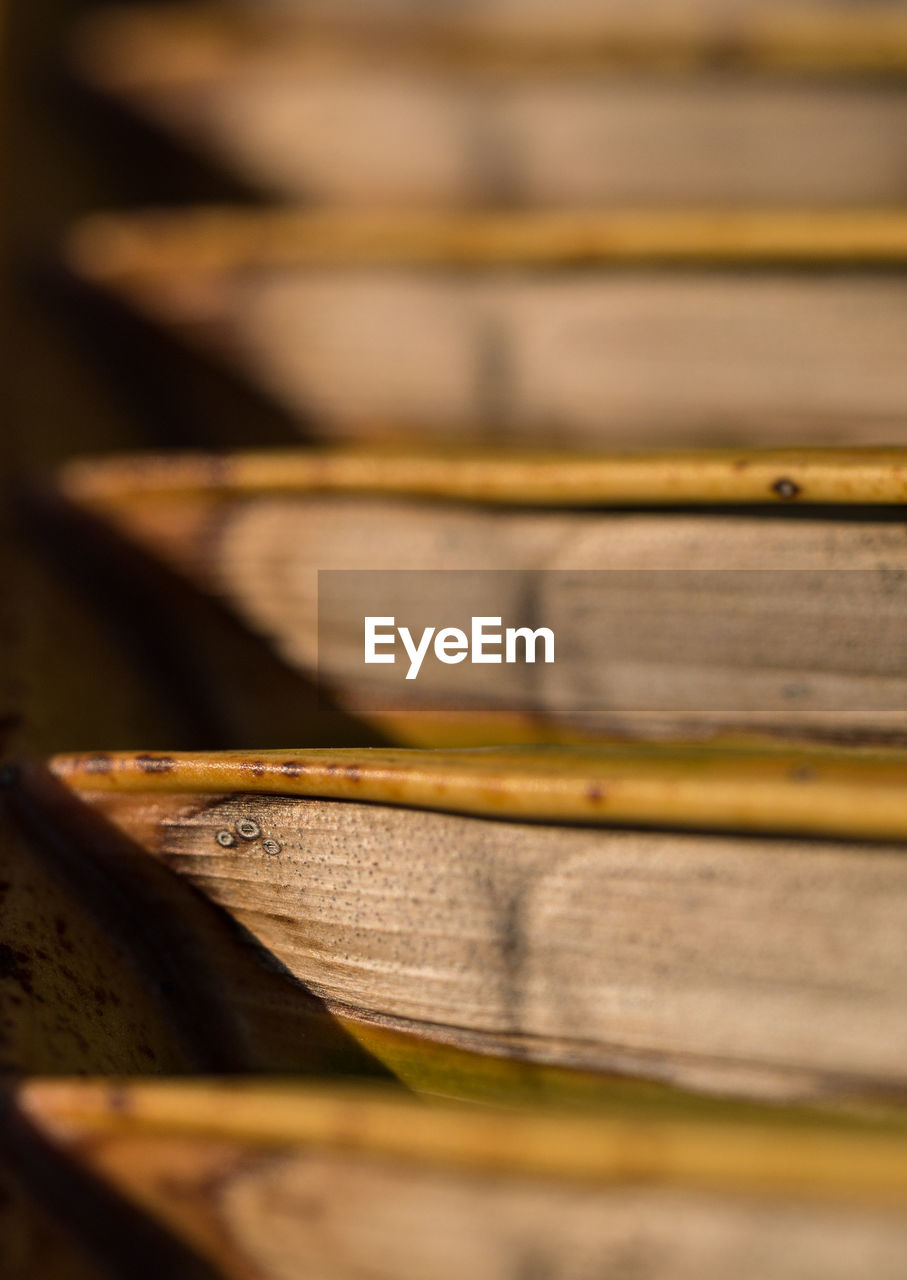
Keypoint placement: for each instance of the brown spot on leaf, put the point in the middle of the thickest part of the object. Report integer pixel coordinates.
(155, 764)
(290, 769)
(786, 488)
(803, 773)
(595, 792)
(118, 1099)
